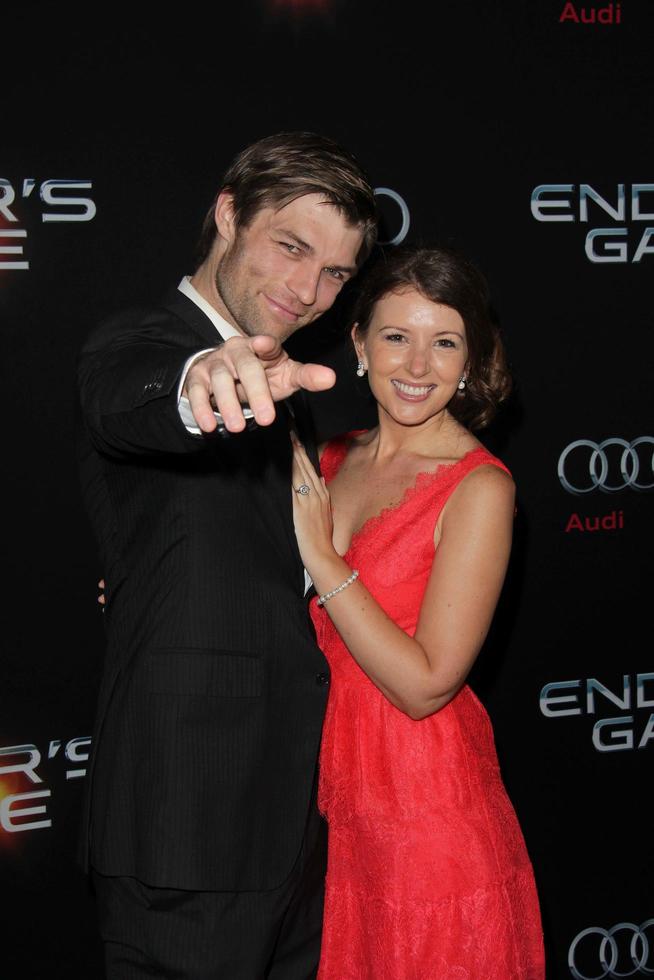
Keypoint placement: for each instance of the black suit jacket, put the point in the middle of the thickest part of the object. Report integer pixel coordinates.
(211, 704)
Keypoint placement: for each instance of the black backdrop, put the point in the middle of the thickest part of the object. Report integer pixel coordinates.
(464, 110)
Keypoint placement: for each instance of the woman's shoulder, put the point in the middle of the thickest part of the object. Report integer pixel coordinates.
(478, 457)
(483, 483)
(479, 478)
(485, 470)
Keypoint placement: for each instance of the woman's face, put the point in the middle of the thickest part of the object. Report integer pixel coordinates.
(415, 351)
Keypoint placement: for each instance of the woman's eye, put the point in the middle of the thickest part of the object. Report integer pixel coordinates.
(445, 342)
(395, 337)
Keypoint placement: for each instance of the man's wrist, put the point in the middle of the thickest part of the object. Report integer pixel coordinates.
(191, 425)
(181, 393)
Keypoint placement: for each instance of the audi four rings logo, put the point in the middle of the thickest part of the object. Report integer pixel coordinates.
(404, 215)
(622, 951)
(635, 465)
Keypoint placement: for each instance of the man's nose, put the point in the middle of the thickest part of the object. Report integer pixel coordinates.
(303, 282)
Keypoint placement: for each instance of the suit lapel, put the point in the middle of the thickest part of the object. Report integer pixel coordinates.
(297, 408)
(293, 413)
(180, 305)
(302, 423)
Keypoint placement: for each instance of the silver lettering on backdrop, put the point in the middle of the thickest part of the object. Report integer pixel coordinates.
(20, 763)
(59, 205)
(631, 466)
(54, 194)
(570, 203)
(404, 212)
(563, 699)
(626, 956)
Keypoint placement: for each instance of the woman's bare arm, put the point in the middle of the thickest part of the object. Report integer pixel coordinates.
(421, 674)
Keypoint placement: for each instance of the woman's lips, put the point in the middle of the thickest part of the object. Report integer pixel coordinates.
(412, 392)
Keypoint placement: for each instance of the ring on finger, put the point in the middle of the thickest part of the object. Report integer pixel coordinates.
(304, 489)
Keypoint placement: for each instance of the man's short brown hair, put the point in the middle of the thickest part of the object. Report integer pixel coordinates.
(278, 169)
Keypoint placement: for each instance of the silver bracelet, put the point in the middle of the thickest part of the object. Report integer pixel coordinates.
(339, 588)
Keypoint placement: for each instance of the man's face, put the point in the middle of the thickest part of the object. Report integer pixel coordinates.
(287, 267)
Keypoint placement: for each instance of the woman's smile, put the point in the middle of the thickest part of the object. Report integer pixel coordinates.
(411, 392)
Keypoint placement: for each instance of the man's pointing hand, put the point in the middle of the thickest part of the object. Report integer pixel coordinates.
(255, 371)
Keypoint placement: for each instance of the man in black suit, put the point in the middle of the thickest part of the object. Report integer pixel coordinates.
(206, 848)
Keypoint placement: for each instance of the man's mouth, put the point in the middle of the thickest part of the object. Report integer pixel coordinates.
(286, 312)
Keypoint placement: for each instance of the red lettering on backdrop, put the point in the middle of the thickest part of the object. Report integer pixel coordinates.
(569, 13)
(611, 14)
(613, 521)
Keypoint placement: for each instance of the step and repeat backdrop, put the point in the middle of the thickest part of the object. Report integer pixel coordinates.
(520, 133)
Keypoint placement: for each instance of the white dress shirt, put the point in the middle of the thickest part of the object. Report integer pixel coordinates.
(225, 330)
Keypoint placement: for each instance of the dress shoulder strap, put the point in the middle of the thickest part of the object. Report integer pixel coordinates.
(335, 452)
(478, 457)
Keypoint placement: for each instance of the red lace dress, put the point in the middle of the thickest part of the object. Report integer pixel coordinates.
(428, 875)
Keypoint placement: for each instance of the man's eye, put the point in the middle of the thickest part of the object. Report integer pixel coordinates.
(335, 274)
(290, 247)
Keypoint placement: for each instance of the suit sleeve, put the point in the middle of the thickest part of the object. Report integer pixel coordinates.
(128, 378)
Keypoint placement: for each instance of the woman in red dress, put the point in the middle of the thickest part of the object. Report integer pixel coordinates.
(407, 538)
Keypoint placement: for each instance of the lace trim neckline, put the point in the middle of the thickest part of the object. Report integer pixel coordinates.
(423, 479)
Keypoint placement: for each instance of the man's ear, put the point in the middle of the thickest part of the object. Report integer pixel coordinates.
(224, 216)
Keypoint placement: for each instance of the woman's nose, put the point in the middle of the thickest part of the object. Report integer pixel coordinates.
(418, 363)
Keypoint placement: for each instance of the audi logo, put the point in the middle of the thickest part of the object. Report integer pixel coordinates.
(404, 214)
(622, 951)
(636, 466)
